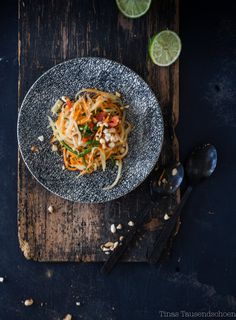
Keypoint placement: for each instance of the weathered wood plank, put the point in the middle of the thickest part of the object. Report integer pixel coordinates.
(51, 32)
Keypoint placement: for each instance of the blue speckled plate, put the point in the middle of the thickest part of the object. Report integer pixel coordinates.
(67, 78)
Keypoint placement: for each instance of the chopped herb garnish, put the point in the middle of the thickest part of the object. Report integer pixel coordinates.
(86, 151)
(93, 143)
(86, 131)
(79, 155)
(87, 134)
(95, 128)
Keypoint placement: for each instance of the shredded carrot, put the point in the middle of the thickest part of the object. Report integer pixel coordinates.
(93, 129)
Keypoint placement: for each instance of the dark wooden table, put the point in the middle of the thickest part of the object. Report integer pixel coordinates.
(200, 273)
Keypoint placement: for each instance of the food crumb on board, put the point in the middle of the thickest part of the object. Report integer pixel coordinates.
(106, 246)
(115, 245)
(164, 181)
(109, 246)
(50, 209)
(113, 228)
(121, 238)
(2, 279)
(68, 317)
(104, 249)
(119, 226)
(174, 172)
(131, 223)
(78, 304)
(28, 302)
(166, 217)
(49, 273)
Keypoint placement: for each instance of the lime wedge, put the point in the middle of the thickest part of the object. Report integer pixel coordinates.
(164, 48)
(133, 8)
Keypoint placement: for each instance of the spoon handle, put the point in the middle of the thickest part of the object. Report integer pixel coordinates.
(166, 232)
(117, 254)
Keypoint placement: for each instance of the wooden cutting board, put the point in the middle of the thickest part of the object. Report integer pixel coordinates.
(51, 32)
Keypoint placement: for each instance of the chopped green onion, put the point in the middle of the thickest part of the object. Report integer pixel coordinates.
(95, 128)
(86, 131)
(87, 134)
(86, 127)
(93, 143)
(79, 155)
(86, 151)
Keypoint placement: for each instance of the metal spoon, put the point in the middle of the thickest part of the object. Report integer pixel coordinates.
(200, 165)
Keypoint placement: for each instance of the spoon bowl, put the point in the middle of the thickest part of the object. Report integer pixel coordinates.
(201, 163)
(167, 180)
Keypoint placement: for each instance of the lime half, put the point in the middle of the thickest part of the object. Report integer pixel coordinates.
(133, 8)
(164, 48)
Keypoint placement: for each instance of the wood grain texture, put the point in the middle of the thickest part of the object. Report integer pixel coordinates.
(49, 33)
